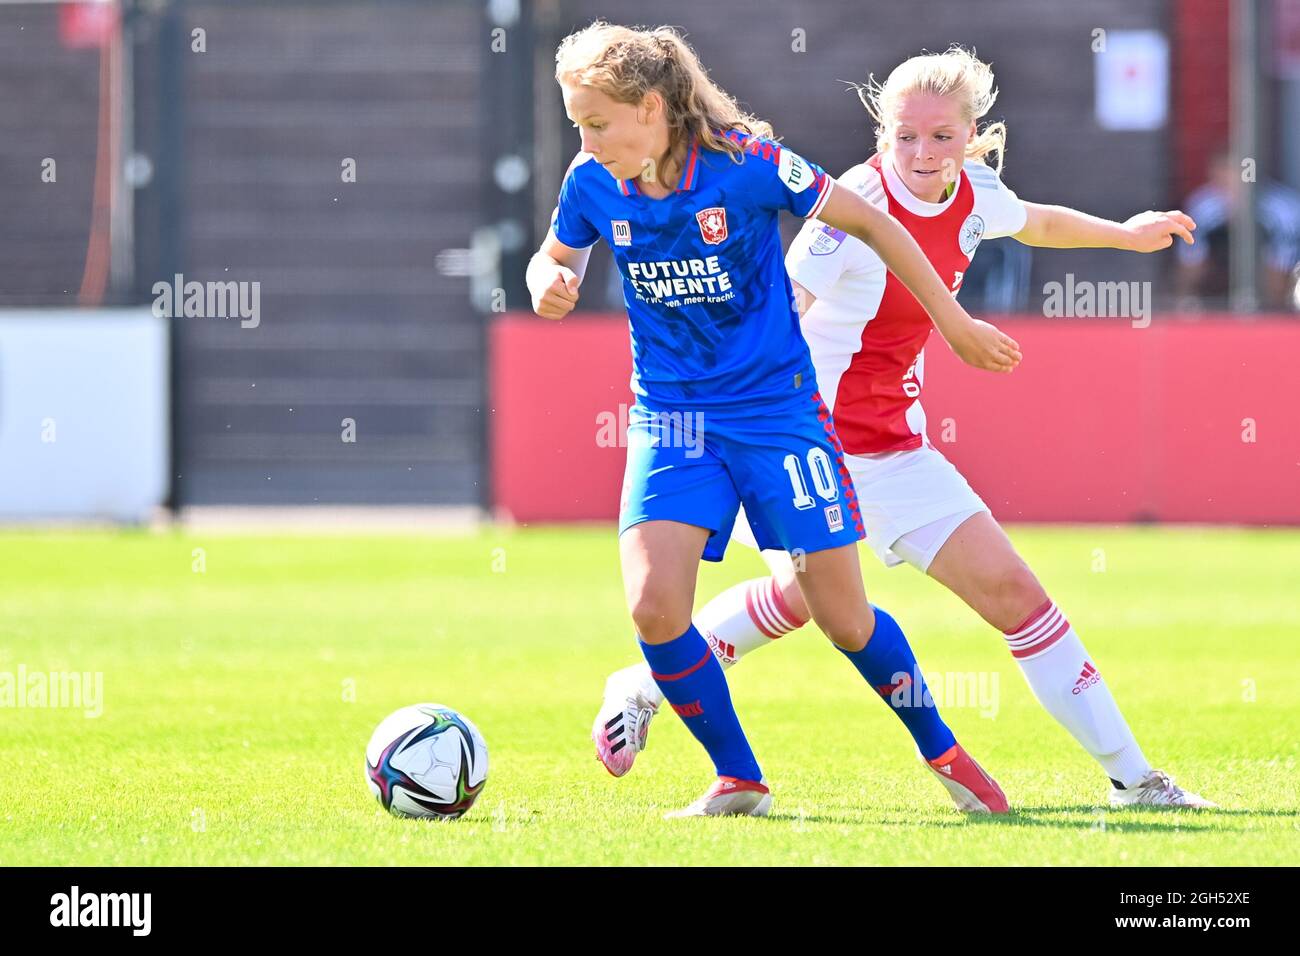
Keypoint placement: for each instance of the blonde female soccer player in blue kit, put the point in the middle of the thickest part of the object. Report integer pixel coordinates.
(686, 189)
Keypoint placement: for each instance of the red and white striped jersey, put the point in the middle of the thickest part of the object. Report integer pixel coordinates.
(867, 333)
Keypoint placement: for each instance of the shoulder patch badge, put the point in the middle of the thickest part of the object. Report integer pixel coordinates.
(794, 171)
(826, 241)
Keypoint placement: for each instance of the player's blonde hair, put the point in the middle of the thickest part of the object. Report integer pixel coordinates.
(626, 63)
(957, 73)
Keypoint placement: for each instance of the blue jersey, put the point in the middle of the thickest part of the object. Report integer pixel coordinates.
(708, 300)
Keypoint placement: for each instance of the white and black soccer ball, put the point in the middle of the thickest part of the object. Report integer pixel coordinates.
(426, 761)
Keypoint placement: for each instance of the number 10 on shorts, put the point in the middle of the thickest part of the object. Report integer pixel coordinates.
(823, 478)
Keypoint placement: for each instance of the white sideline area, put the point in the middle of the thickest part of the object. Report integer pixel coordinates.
(83, 415)
(327, 519)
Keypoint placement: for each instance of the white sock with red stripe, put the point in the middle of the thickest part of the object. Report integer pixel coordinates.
(741, 619)
(1069, 686)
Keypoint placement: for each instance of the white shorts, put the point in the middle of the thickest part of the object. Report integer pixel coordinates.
(911, 501)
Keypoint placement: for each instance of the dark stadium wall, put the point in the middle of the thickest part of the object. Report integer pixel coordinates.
(44, 236)
(246, 141)
(1104, 422)
(360, 325)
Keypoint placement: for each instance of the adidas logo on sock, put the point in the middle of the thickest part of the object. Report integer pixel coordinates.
(888, 690)
(1087, 677)
(693, 709)
(724, 652)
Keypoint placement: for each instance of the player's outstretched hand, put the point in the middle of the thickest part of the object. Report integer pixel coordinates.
(984, 346)
(556, 300)
(1152, 231)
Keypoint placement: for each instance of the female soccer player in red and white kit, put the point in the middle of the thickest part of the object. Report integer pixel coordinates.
(867, 333)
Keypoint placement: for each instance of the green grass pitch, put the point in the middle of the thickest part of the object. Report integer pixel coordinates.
(237, 700)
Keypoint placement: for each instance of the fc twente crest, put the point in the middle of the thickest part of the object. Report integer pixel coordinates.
(713, 224)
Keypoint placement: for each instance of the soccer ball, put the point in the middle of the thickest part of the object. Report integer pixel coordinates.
(426, 761)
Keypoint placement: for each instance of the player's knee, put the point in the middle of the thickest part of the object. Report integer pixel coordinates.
(852, 638)
(1017, 594)
(850, 632)
(657, 615)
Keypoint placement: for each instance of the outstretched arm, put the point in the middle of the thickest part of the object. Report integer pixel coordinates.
(976, 343)
(1060, 227)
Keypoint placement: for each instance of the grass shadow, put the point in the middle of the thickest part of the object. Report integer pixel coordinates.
(1067, 817)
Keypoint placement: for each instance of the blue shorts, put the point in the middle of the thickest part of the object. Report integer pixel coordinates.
(785, 465)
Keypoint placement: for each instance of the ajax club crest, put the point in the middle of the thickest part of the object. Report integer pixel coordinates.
(972, 231)
(713, 224)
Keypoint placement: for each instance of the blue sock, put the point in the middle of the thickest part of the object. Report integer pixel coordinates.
(888, 664)
(692, 681)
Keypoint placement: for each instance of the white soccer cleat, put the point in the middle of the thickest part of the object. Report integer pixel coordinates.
(623, 723)
(1157, 789)
(729, 797)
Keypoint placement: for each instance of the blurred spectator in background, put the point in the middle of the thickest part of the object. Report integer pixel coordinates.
(1203, 267)
(998, 278)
